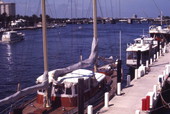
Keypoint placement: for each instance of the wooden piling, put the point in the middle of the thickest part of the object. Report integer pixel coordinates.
(80, 96)
(138, 58)
(119, 65)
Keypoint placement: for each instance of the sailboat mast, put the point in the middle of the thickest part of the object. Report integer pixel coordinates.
(44, 27)
(94, 19)
(47, 102)
(95, 25)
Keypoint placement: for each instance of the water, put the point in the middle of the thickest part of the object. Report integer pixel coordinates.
(22, 62)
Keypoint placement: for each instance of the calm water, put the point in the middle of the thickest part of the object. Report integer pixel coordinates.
(22, 62)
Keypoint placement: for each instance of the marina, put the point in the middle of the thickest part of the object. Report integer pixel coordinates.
(126, 90)
(31, 42)
(83, 65)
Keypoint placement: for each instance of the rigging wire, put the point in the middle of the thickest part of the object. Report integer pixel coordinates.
(66, 9)
(82, 13)
(100, 8)
(111, 4)
(76, 2)
(89, 9)
(160, 11)
(55, 8)
(156, 6)
(49, 9)
(119, 8)
(71, 8)
(26, 8)
(106, 9)
(39, 7)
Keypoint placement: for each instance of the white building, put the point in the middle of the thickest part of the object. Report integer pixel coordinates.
(8, 8)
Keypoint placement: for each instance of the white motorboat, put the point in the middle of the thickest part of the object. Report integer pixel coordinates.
(147, 47)
(12, 36)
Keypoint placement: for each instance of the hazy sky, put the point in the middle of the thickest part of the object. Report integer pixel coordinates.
(106, 8)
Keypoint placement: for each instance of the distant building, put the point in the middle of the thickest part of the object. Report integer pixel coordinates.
(8, 8)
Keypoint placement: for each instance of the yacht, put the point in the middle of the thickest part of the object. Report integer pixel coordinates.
(147, 47)
(12, 36)
(160, 32)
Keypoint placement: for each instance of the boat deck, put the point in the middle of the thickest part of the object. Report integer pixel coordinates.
(131, 98)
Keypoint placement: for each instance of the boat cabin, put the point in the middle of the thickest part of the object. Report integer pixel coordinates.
(147, 47)
(65, 88)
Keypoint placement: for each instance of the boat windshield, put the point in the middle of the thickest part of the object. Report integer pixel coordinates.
(131, 55)
(147, 41)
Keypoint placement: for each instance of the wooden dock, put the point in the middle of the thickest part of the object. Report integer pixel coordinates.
(131, 97)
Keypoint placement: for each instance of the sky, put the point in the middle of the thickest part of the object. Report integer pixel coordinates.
(106, 8)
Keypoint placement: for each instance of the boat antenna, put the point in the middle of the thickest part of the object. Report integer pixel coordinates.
(45, 53)
(95, 28)
(161, 18)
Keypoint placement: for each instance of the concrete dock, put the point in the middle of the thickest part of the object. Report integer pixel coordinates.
(131, 97)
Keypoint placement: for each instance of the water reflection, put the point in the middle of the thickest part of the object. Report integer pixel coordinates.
(9, 56)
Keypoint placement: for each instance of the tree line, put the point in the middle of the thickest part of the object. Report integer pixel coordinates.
(5, 20)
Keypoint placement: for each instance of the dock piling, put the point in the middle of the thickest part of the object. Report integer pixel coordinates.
(151, 98)
(118, 88)
(160, 80)
(160, 51)
(155, 91)
(147, 102)
(167, 69)
(157, 55)
(150, 61)
(106, 99)
(80, 96)
(128, 80)
(147, 64)
(90, 109)
(136, 74)
(119, 66)
(18, 87)
(154, 57)
(144, 104)
(137, 112)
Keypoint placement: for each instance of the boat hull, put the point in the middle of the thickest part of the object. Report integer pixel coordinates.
(58, 101)
(60, 105)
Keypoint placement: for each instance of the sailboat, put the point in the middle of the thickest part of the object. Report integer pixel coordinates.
(57, 90)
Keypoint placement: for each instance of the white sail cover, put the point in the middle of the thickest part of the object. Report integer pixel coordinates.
(82, 64)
